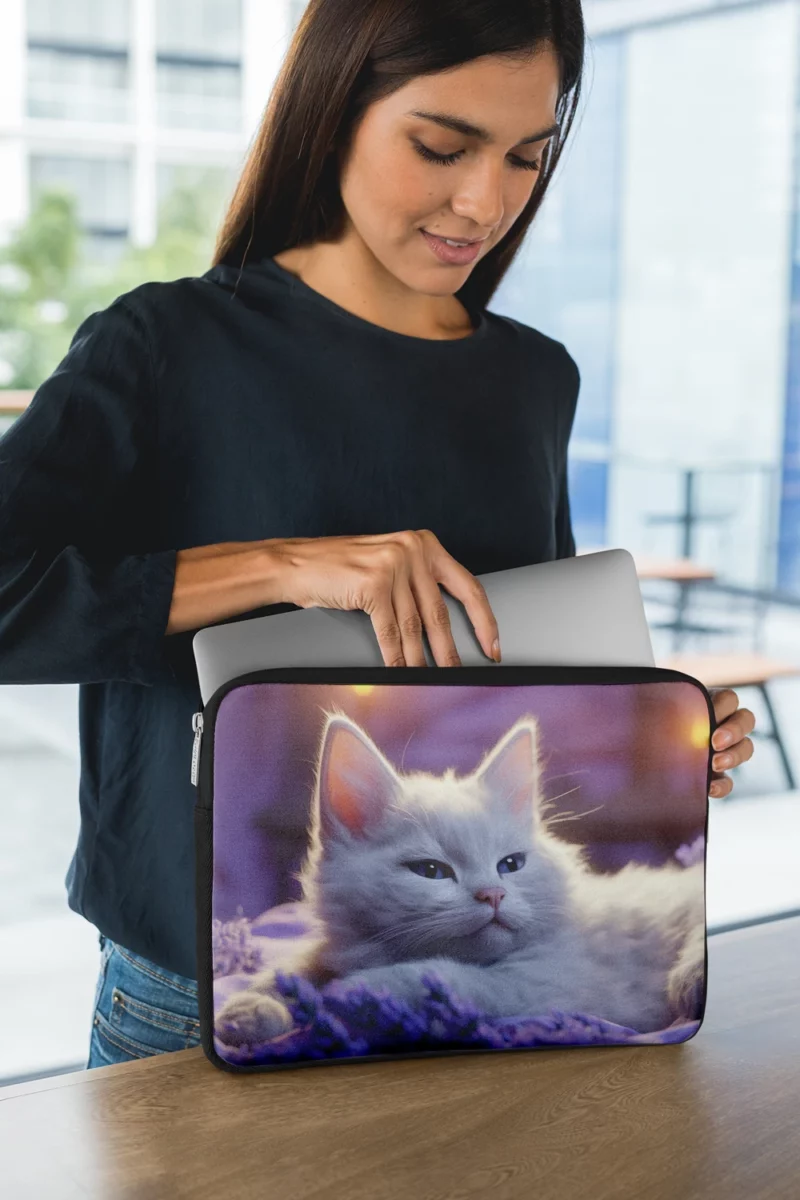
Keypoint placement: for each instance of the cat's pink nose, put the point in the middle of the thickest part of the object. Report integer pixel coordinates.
(492, 896)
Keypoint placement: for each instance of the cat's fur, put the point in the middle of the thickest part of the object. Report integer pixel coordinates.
(551, 934)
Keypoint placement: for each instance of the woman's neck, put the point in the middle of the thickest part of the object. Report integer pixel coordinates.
(352, 279)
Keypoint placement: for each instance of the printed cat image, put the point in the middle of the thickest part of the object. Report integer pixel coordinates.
(411, 873)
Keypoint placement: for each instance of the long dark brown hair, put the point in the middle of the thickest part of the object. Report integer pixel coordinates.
(346, 55)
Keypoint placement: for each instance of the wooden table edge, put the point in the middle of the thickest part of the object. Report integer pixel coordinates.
(762, 928)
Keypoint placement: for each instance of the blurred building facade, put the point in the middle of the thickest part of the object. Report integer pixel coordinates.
(120, 99)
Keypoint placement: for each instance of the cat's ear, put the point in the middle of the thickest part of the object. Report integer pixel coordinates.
(510, 771)
(355, 783)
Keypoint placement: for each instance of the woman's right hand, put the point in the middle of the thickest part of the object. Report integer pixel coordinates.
(394, 578)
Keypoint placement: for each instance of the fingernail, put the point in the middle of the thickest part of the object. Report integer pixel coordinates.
(723, 761)
(723, 738)
(496, 650)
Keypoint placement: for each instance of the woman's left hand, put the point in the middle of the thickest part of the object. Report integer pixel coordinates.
(729, 739)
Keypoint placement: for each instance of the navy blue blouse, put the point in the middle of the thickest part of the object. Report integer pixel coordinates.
(237, 406)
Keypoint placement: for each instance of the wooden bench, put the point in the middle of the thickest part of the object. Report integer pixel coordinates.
(740, 670)
(13, 403)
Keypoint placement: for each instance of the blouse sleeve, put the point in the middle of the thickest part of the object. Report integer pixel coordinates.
(82, 598)
(565, 539)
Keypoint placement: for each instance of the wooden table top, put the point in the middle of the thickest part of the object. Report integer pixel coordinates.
(676, 570)
(712, 1119)
(13, 403)
(730, 670)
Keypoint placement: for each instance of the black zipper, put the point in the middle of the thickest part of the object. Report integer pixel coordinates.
(197, 726)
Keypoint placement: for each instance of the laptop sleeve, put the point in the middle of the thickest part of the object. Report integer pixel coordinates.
(423, 860)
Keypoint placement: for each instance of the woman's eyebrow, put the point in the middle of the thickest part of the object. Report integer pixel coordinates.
(448, 121)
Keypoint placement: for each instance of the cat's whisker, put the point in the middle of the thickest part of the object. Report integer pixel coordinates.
(403, 755)
(557, 820)
(391, 932)
(417, 930)
(559, 816)
(423, 922)
(422, 932)
(561, 795)
(569, 774)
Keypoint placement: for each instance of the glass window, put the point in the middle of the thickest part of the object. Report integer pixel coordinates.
(101, 187)
(69, 86)
(200, 29)
(78, 60)
(195, 95)
(198, 68)
(87, 22)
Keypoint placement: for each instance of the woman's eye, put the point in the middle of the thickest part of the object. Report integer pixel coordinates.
(431, 868)
(512, 862)
(447, 160)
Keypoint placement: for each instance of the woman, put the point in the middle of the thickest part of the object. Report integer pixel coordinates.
(328, 417)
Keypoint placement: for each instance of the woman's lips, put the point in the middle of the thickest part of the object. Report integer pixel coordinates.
(454, 255)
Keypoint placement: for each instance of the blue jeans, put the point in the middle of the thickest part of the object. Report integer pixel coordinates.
(139, 1009)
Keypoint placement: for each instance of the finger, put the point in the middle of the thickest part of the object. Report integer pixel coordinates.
(460, 583)
(741, 752)
(387, 630)
(733, 729)
(725, 702)
(436, 618)
(410, 623)
(721, 787)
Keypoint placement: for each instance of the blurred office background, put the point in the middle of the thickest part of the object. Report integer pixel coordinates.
(664, 257)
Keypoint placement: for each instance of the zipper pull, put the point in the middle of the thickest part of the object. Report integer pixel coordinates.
(197, 726)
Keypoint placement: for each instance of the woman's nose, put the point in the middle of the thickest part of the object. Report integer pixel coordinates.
(483, 198)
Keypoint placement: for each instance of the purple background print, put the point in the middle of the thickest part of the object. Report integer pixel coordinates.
(626, 766)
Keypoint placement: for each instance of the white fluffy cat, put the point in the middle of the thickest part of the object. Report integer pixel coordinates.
(460, 876)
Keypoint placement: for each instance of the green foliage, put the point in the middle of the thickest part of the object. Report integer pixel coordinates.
(50, 279)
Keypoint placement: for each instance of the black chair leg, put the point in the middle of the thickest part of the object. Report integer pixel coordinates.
(679, 633)
(787, 766)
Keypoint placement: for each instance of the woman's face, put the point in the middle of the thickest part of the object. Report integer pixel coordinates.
(393, 188)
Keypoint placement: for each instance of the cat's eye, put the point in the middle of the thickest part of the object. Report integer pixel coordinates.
(431, 868)
(512, 862)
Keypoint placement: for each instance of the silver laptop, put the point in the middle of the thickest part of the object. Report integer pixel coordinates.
(585, 610)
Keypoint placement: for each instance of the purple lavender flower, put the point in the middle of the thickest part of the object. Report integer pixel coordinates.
(691, 852)
(233, 948)
(340, 1021)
